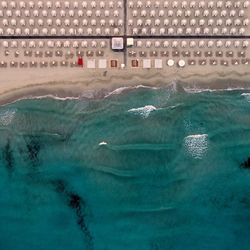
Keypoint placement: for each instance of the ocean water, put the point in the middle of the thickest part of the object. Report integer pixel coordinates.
(143, 169)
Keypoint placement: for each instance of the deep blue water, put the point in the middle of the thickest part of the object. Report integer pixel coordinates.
(147, 169)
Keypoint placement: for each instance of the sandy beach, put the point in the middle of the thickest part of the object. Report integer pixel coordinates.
(63, 83)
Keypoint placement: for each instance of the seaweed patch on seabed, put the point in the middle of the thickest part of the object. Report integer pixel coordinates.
(33, 147)
(8, 157)
(78, 205)
(246, 164)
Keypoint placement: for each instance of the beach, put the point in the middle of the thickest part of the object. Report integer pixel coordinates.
(62, 83)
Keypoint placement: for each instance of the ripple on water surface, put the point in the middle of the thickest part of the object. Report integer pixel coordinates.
(142, 168)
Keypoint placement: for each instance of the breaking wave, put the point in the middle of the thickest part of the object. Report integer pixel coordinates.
(143, 111)
(246, 96)
(120, 90)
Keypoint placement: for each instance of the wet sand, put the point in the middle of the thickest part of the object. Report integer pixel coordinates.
(76, 83)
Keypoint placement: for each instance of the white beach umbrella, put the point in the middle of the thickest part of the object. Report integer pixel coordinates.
(187, 13)
(13, 22)
(192, 44)
(13, 4)
(174, 4)
(102, 4)
(62, 13)
(9, 13)
(4, 4)
(75, 5)
(49, 4)
(219, 4)
(67, 22)
(139, 4)
(35, 13)
(148, 44)
(10, 31)
(67, 4)
(179, 31)
(40, 4)
(58, 22)
(106, 13)
(210, 4)
(152, 13)
(162, 31)
(40, 22)
(18, 31)
(22, 4)
(139, 43)
(246, 4)
(192, 4)
(236, 43)
(183, 44)
(80, 31)
(58, 4)
(98, 31)
(157, 4)
(120, 22)
(23, 44)
(102, 44)
(224, 30)
(184, 4)
(166, 44)
(157, 22)
(53, 31)
(98, 13)
(116, 31)
(45, 31)
(89, 31)
(111, 4)
(22, 22)
(148, 4)
(26, 31)
(84, 44)
(62, 31)
(84, 4)
(165, 4)
(35, 31)
(153, 31)
(161, 13)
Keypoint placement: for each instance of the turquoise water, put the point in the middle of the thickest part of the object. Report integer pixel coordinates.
(146, 169)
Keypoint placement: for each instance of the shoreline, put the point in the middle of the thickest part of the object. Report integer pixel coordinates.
(100, 85)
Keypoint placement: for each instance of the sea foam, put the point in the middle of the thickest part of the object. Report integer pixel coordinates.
(246, 96)
(143, 111)
(120, 90)
(6, 117)
(196, 145)
(103, 143)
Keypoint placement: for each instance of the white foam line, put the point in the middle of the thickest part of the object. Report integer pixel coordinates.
(245, 94)
(120, 90)
(43, 97)
(143, 111)
(196, 90)
(197, 136)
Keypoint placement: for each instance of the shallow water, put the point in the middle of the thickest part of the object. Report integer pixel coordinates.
(149, 169)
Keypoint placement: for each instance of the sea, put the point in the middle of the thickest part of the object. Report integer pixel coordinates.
(140, 168)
